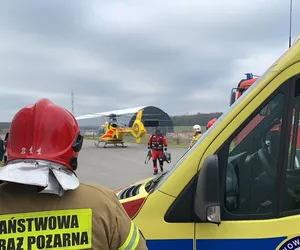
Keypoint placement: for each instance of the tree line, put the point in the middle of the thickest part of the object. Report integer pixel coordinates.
(179, 120)
(190, 120)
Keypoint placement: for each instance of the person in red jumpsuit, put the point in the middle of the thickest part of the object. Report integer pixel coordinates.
(157, 143)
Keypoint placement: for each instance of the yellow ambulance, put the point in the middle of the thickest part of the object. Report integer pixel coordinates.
(239, 186)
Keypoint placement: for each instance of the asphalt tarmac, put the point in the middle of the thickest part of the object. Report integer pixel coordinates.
(115, 167)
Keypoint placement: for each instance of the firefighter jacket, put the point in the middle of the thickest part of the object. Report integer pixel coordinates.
(87, 217)
(157, 142)
(195, 138)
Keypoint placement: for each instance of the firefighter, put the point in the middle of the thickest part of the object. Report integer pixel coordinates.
(197, 135)
(210, 123)
(157, 145)
(42, 201)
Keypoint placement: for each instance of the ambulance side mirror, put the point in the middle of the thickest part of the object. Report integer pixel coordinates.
(207, 196)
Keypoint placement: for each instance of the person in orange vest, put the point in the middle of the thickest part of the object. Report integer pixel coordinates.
(197, 135)
(43, 196)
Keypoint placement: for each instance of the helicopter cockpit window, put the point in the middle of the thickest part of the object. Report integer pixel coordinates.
(101, 131)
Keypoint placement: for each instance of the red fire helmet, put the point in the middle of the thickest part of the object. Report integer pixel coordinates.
(45, 131)
(210, 123)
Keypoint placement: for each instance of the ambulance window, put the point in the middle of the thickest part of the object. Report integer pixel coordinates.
(252, 156)
(291, 188)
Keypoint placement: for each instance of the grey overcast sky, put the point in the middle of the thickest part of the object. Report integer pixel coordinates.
(182, 56)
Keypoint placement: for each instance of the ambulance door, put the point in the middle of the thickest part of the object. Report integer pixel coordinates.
(289, 204)
(252, 171)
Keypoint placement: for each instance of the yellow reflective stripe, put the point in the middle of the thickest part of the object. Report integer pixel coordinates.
(137, 238)
(123, 247)
(133, 238)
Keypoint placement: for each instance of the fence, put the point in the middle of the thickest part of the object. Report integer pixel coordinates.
(150, 130)
(182, 138)
(180, 135)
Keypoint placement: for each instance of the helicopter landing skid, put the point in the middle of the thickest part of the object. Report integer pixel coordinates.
(122, 145)
(97, 144)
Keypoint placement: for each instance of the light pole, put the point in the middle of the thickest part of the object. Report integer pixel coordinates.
(290, 36)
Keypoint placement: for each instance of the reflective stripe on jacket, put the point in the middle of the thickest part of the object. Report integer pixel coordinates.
(133, 238)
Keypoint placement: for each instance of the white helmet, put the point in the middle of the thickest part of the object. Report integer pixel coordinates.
(197, 127)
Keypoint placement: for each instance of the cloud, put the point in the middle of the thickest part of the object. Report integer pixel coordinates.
(182, 56)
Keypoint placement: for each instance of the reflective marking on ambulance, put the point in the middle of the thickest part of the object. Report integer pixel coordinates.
(219, 244)
(59, 229)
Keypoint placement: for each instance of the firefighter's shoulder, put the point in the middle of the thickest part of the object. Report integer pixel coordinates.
(125, 235)
(98, 197)
(99, 189)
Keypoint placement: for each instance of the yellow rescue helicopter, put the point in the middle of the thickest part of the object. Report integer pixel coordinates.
(113, 132)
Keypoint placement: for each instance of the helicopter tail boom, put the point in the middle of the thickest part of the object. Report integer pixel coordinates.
(138, 129)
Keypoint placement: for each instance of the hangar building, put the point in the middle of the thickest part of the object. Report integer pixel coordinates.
(152, 117)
